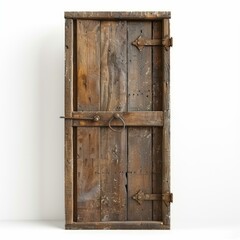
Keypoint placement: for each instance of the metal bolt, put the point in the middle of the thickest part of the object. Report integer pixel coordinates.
(96, 118)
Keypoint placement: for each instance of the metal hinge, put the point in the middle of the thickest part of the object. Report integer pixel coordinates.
(140, 42)
(140, 196)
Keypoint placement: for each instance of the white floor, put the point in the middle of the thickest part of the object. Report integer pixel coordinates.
(45, 230)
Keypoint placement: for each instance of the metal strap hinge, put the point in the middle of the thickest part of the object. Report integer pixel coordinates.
(140, 196)
(141, 42)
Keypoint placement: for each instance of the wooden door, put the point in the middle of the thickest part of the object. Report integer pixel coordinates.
(117, 120)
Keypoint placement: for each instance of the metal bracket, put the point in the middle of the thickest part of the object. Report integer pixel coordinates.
(140, 196)
(140, 42)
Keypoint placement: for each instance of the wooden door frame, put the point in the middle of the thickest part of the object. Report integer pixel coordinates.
(69, 155)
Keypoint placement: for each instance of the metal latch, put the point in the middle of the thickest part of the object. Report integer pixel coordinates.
(140, 196)
(140, 42)
(95, 118)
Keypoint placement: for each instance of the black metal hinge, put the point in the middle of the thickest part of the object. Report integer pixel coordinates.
(141, 42)
(140, 196)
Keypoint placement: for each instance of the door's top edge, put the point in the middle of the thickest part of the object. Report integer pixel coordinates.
(119, 15)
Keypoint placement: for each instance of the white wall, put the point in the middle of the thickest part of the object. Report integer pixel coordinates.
(205, 89)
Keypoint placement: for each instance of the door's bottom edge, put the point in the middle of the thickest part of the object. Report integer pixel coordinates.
(118, 225)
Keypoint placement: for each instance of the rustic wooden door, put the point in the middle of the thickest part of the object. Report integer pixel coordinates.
(117, 120)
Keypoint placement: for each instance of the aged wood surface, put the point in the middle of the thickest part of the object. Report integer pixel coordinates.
(119, 15)
(113, 98)
(88, 138)
(139, 172)
(166, 127)
(88, 65)
(118, 225)
(113, 175)
(139, 69)
(137, 118)
(106, 74)
(157, 131)
(68, 124)
(88, 177)
(113, 65)
(139, 139)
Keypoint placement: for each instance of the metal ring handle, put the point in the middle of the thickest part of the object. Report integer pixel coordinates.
(116, 116)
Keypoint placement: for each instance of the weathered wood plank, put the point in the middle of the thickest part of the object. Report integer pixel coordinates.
(118, 225)
(68, 172)
(88, 65)
(68, 67)
(139, 139)
(157, 68)
(166, 127)
(113, 175)
(118, 15)
(157, 131)
(68, 124)
(113, 98)
(139, 69)
(139, 158)
(143, 118)
(113, 66)
(88, 177)
(88, 139)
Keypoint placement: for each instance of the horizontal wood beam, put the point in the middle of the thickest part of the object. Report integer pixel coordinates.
(118, 225)
(141, 118)
(118, 15)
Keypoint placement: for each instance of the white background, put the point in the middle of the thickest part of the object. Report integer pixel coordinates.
(205, 102)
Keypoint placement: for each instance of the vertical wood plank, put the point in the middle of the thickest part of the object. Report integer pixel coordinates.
(166, 126)
(157, 68)
(157, 131)
(139, 68)
(113, 66)
(113, 175)
(139, 139)
(113, 98)
(88, 98)
(68, 123)
(88, 177)
(139, 172)
(88, 65)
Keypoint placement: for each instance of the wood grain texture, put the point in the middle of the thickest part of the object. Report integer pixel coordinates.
(88, 177)
(68, 124)
(139, 118)
(113, 98)
(140, 160)
(139, 69)
(166, 127)
(113, 65)
(88, 139)
(113, 175)
(88, 65)
(118, 225)
(139, 139)
(157, 131)
(106, 74)
(118, 15)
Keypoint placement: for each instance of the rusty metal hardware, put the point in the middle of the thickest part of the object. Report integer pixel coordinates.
(95, 118)
(140, 196)
(116, 116)
(140, 42)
